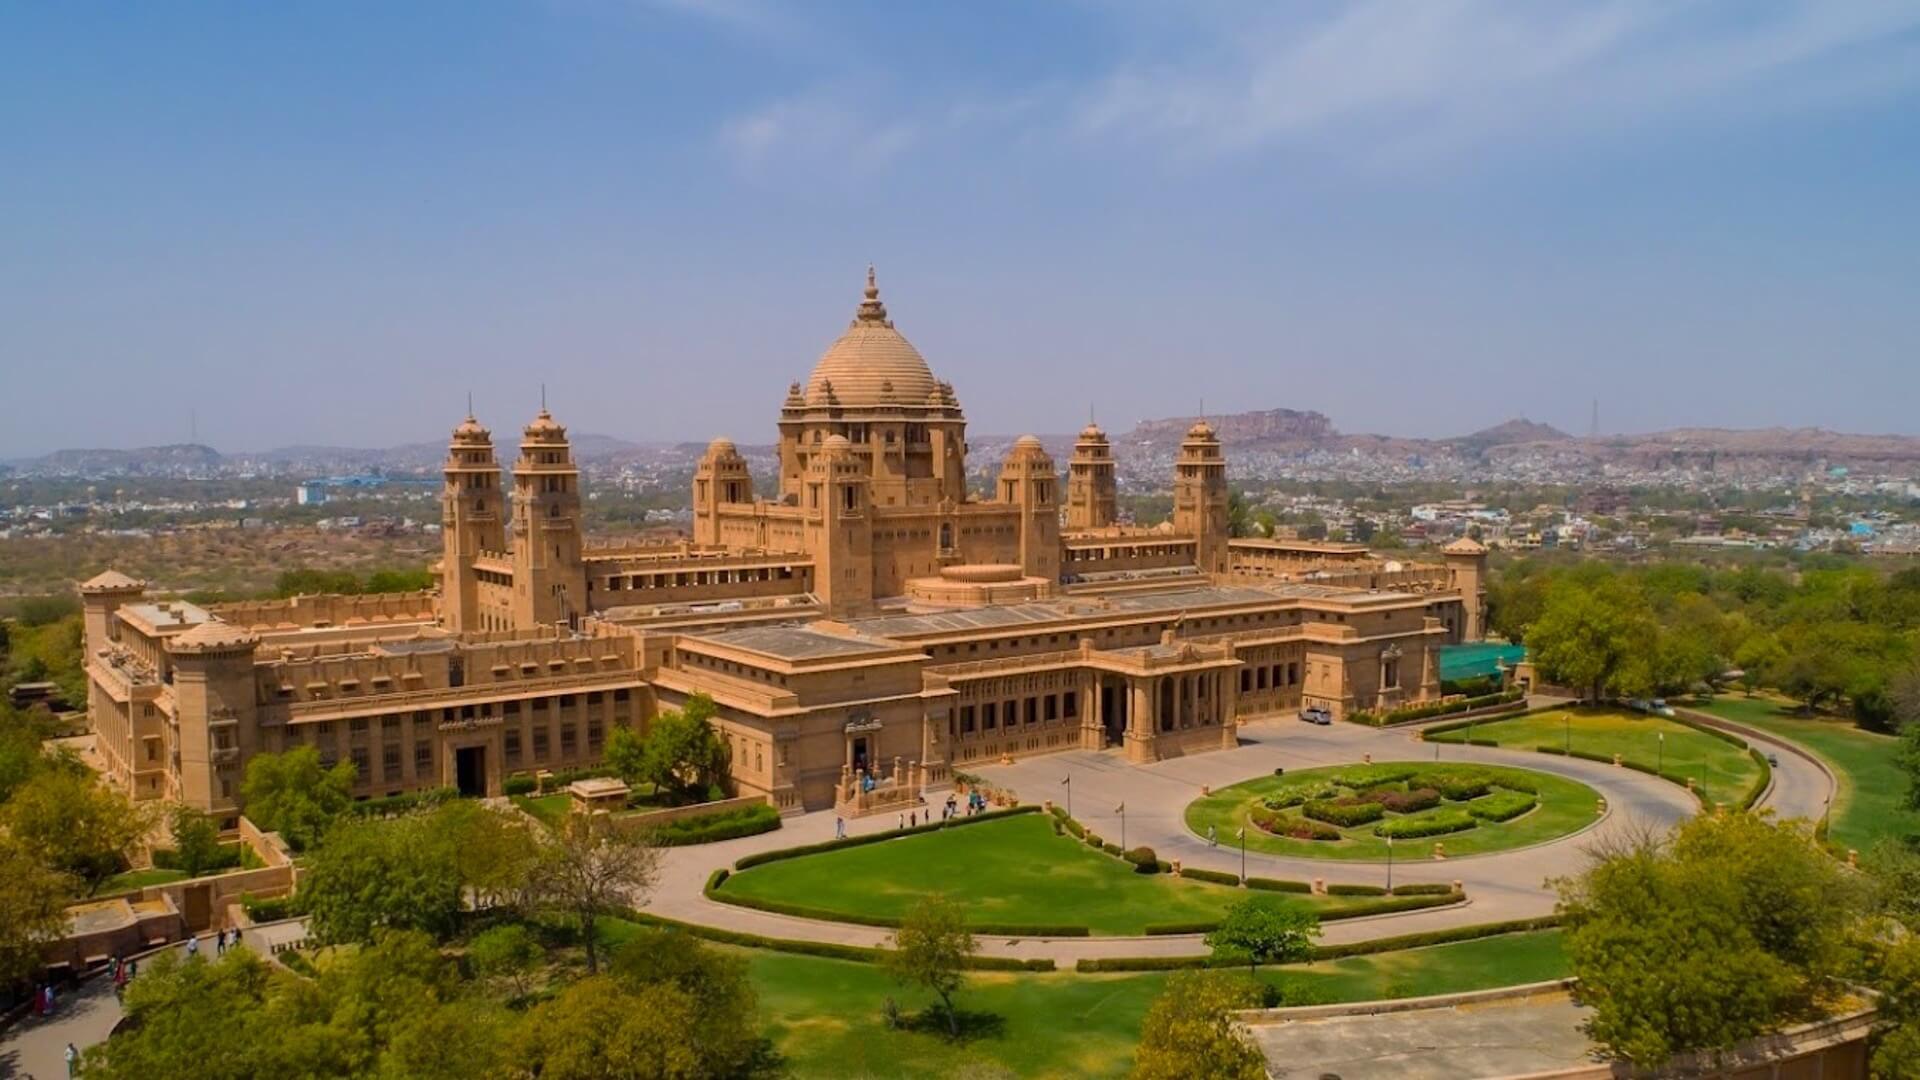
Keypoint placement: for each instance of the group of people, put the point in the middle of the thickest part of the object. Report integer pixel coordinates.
(976, 803)
(221, 941)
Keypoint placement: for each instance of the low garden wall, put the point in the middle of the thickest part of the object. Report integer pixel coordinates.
(647, 819)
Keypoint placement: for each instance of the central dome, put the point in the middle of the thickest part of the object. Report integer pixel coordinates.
(872, 364)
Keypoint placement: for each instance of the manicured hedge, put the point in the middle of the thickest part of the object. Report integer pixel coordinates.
(818, 948)
(1760, 783)
(1439, 823)
(1434, 937)
(1343, 812)
(519, 785)
(1278, 885)
(1502, 805)
(1438, 708)
(1429, 889)
(1215, 876)
(1091, 965)
(1381, 905)
(1355, 890)
(1407, 802)
(716, 879)
(1143, 859)
(1288, 825)
(1369, 776)
(271, 910)
(761, 857)
(400, 804)
(719, 825)
(227, 858)
(1294, 794)
(560, 778)
(1165, 929)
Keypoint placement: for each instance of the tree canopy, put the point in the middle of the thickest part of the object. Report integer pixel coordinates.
(930, 950)
(1264, 931)
(1189, 1031)
(76, 825)
(683, 755)
(292, 794)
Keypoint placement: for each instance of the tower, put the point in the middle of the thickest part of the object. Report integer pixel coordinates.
(721, 479)
(1092, 497)
(549, 575)
(100, 596)
(1028, 481)
(837, 499)
(1200, 497)
(1466, 560)
(214, 709)
(471, 522)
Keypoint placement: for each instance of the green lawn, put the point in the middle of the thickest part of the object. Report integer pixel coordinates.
(824, 1015)
(1565, 806)
(1009, 871)
(138, 879)
(1723, 771)
(1870, 805)
(549, 810)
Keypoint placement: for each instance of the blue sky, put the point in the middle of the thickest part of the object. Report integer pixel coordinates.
(325, 222)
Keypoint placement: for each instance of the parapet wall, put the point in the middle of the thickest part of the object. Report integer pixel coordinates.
(330, 609)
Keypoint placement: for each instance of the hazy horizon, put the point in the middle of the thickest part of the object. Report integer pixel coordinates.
(313, 224)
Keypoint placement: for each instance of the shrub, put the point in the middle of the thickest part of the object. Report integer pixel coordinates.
(519, 785)
(1407, 802)
(1516, 782)
(716, 879)
(1436, 823)
(1215, 876)
(227, 858)
(1369, 776)
(1294, 794)
(1387, 905)
(1456, 783)
(1502, 805)
(1163, 929)
(1293, 827)
(1278, 885)
(1111, 849)
(271, 910)
(1344, 812)
(719, 825)
(855, 953)
(1143, 859)
(1434, 937)
(1074, 827)
(1355, 890)
(1429, 889)
(1093, 840)
(560, 778)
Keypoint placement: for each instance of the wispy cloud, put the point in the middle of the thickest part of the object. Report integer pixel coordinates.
(815, 132)
(1393, 78)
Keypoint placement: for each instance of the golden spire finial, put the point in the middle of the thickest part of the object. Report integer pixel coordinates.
(871, 309)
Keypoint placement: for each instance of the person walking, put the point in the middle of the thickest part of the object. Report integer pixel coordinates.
(73, 1060)
(49, 999)
(839, 828)
(220, 942)
(1212, 840)
(193, 945)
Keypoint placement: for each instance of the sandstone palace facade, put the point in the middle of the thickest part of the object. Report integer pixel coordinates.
(865, 631)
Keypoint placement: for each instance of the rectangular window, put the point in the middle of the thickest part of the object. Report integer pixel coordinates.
(357, 726)
(423, 757)
(1293, 673)
(510, 745)
(596, 736)
(540, 744)
(390, 760)
(989, 716)
(1071, 702)
(361, 763)
(568, 740)
(966, 719)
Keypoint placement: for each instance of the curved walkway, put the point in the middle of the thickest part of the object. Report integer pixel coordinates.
(1500, 885)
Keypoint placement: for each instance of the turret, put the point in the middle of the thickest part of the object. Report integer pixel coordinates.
(721, 479)
(1467, 574)
(472, 521)
(214, 695)
(1028, 480)
(100, 597)
(549, 573)
(1092, 495)
(837, 500)
(1200, 497)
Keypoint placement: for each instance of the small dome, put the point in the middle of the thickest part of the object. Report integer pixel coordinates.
(1466, 545)
(1028, 442)
(872, 364)
(722, 447)
(111, 581)
(544, 425)
(1092, 433)
(470, 431)
(837, 442)
(1201, 430)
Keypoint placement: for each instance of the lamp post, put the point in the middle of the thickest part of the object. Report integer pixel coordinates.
(1661, 765)
(1389, 864)
(1122, 811)
(1566, 724)
(1241, 835)
(1069, 785)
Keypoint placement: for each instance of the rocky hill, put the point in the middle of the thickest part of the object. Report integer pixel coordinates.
(1272, 428)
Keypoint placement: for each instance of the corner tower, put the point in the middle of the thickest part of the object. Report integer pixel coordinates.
(1200, 497)
(839, 528)
(1466, 560)
(720, 479)
(549, 574)
(1028, 481)
(1092, 495)
(471, 521)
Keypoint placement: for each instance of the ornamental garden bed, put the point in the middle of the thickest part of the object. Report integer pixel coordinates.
(1350, 811)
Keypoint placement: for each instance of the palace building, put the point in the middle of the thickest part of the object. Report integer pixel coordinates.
(866, 629)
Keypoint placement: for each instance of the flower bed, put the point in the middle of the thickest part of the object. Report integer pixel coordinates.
(1503, 805)
(1345, 813)
(1435, 823)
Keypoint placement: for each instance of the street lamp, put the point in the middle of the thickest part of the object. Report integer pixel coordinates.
(1566, 723)
(1389, 864)
(1661, 767)
(1122, 811)
(1241, 835)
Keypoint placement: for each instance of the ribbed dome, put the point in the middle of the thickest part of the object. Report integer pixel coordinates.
(872, 364)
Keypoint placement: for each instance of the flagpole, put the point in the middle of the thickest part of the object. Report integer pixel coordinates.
(1243, 855)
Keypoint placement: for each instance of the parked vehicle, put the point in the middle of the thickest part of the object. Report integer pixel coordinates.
(1316, 715)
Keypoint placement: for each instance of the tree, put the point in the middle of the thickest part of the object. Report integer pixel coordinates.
(1908, 758)
(725, 1033)
(1265, 932)
(597, 1030)
(626, 754)
(1189, 1030)
(1723, 931)
(196, 840)
(1585, 635)
(76, 825)
(930, 950)
(587, 870)
(33, 899)
(463, 1039)
(507, 953)
(684, 755)
(196, 1018)
(394, 874)
(494, 851)
(291, 794)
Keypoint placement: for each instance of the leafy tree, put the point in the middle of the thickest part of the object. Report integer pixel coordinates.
(586, 871)
(1264, 932)
(394, 874)
(1189, 1030)
(76, 825)
(1729, 928)
(462, 1039)
(33, 899)
(1908, 758)
(1897, 1053)
(291, 794)
(725, 1032)
(597, 1030)
(194, 1018)
(508, 954)
(494, 852)
(626, 754)
(1586, 635)
(196, 840)
(684, 755)
(930, 950)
